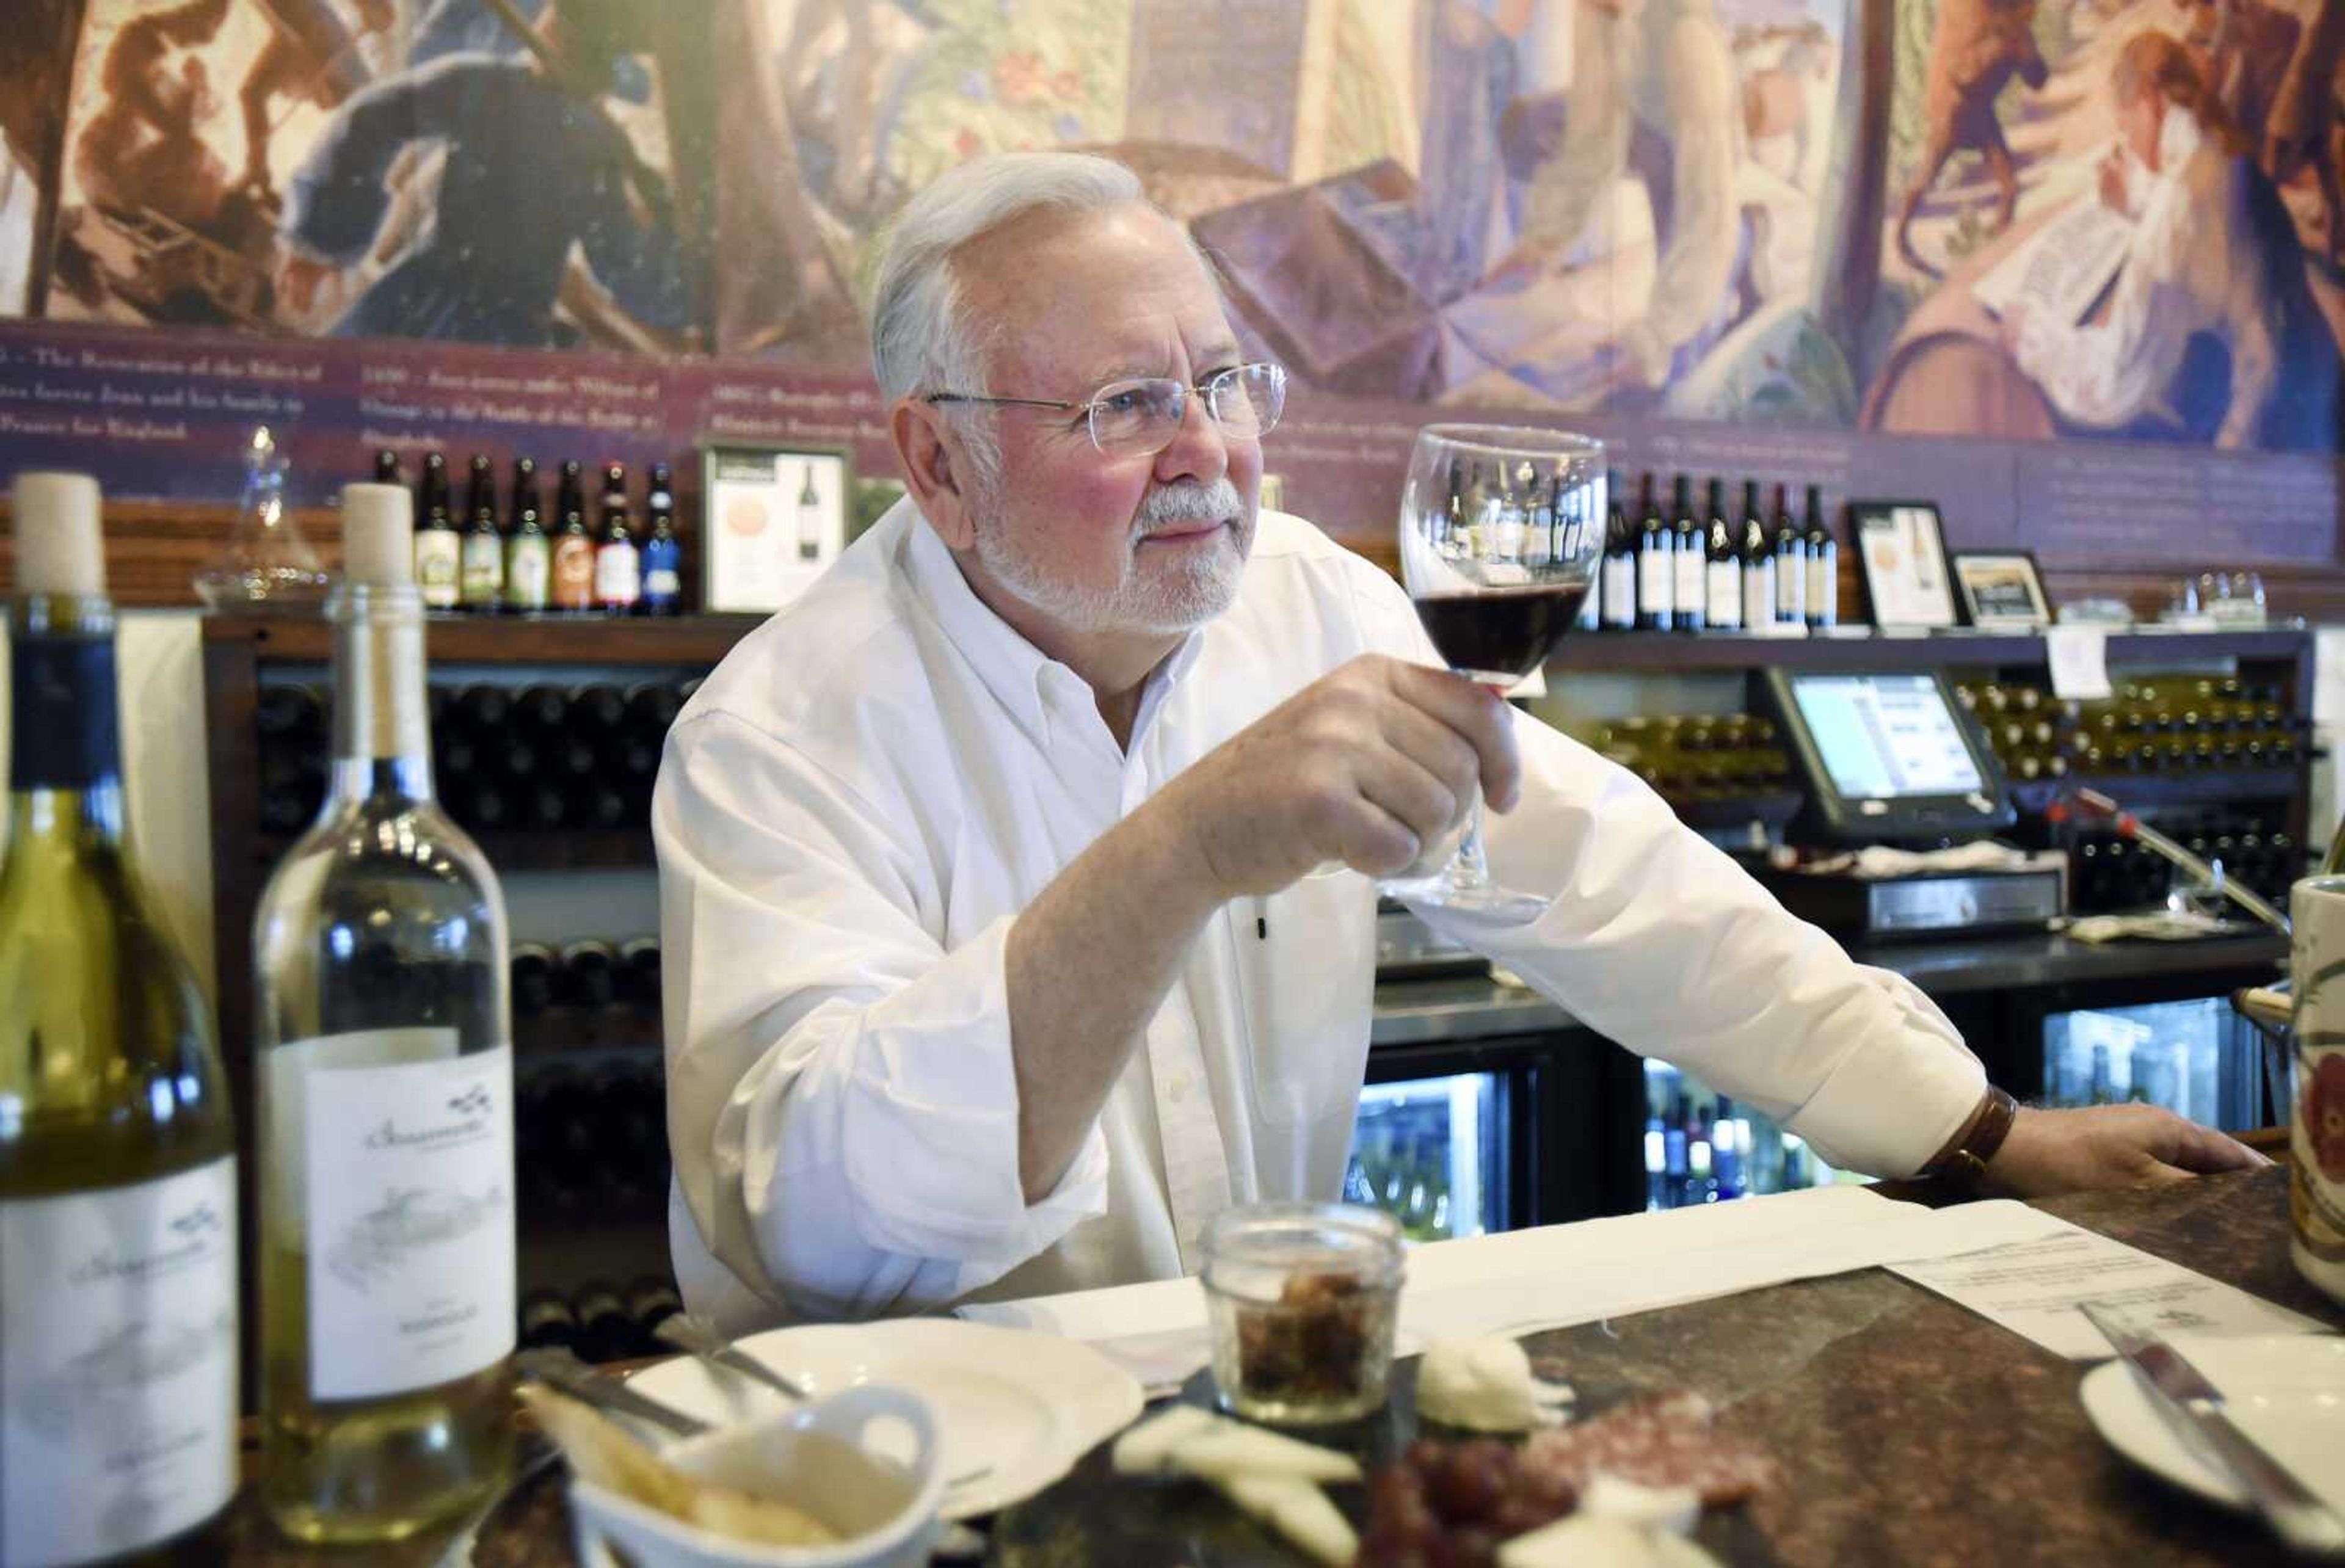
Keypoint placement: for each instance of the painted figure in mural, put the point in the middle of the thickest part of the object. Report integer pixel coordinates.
(2211, 331)
(534, 167)
(142, 151)
(308, 55)
(1976, 48)
(2305, 130)
(1654, 94)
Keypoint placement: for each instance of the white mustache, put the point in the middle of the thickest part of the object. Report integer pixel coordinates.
(1188, 502)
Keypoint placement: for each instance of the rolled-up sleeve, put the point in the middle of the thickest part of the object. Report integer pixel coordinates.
(1658, 940)
(1661, 942)
(842, 1104)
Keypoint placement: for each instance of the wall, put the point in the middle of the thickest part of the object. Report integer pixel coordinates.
(1718, 233)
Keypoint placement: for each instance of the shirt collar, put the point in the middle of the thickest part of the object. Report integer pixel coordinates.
(1021, 676)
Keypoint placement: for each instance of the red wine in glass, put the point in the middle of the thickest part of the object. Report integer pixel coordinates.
(1500, 635)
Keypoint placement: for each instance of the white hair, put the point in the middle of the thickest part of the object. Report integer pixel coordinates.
(921, 342)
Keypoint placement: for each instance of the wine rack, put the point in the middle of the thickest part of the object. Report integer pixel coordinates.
(546, 736)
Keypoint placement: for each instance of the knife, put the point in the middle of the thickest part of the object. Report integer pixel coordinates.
(2180, 1393)
(686, 1332)
(562, 1369)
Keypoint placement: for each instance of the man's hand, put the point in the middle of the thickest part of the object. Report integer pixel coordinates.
(2054, 1151)
(1363, 766)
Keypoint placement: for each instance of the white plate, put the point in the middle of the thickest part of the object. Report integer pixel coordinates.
(2287, 1391)
(1021, 1407)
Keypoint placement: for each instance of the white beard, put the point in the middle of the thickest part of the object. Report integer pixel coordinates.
(1176, 597)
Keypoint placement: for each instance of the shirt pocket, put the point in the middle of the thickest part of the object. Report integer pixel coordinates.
(1306, 973)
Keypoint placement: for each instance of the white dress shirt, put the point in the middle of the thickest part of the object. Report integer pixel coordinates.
(858, 802)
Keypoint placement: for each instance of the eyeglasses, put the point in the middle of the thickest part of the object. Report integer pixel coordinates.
(1129, 419)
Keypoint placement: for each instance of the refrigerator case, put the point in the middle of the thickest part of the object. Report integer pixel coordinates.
(1701, 1147)
(1431, 1153)
(2196, 1057)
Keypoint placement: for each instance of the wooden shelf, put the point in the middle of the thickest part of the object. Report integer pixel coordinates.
(690, 640)
(1671, 651)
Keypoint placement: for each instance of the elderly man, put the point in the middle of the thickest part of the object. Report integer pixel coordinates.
(999, 951)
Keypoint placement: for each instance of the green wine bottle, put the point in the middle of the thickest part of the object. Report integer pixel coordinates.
(117, 1153)
(385, 1073)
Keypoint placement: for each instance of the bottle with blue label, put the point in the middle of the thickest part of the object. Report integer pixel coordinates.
(663, 552)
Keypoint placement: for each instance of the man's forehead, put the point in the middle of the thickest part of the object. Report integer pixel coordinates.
(1108, 294)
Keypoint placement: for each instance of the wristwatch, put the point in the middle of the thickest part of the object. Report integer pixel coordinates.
(1966, 1159)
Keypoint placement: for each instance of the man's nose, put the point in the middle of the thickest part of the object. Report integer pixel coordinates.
(1198, 450)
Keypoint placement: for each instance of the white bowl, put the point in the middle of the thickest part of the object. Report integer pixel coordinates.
(820, 1457)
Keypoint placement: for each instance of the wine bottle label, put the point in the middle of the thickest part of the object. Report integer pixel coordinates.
(574, 572)
(1655, 594)
(1689, 579)
(529, 571)
(408, 1178)
(117, 1365)
(483, 568)
(1758, 593)
(439, 567)
(618, 577)
(1620, 591)
(1823, 593)
(1790, 576)
(1725, 594)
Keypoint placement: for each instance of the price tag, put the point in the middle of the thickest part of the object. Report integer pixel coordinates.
(2079, 657)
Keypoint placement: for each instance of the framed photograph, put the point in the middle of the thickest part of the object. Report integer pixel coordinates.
(2002, 591)
(774, 518)
(1902, 553)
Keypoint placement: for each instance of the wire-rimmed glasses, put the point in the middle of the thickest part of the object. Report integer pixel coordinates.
(1141, 415)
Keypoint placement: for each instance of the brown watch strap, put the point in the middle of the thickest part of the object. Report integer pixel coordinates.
(1966, 1161)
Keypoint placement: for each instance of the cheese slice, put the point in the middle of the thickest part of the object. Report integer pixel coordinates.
(1670, 1509)
(1297, 1510)
(1233, 1448)
(1146, 1448)
(1579, 1541)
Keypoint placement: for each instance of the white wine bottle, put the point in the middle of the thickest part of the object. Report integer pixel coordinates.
(385, 1077)
(117, 1153)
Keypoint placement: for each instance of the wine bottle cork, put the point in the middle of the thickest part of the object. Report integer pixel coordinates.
(378, 535)
(58, 547)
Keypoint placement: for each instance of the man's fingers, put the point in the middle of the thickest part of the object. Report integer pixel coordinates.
(1435, 747)
(2195, 1147)
(1478, 715)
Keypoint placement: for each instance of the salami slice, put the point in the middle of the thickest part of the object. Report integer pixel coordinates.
(1659, 1442)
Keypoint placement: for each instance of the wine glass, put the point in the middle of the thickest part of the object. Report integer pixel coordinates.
(1501, 531)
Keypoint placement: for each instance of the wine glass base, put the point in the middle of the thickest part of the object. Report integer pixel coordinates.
(1496, 905)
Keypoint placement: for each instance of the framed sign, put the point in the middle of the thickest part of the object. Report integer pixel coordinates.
(774, 518)
(1902, 553)
(2002, 591)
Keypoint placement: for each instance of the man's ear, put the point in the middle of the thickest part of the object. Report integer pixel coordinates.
(935, 467)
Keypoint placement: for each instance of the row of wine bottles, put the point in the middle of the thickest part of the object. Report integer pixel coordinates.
(2107, 873)
(535, 758)
(519, 559)
(1687, 570)
(593, 1144)
(384, 1135)
(598, 1322)
(1699, 756)
(2158, 725)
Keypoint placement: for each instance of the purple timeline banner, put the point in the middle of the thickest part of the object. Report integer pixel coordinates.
(165, 413)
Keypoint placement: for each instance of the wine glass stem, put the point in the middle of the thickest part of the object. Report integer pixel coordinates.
(1469, 870)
